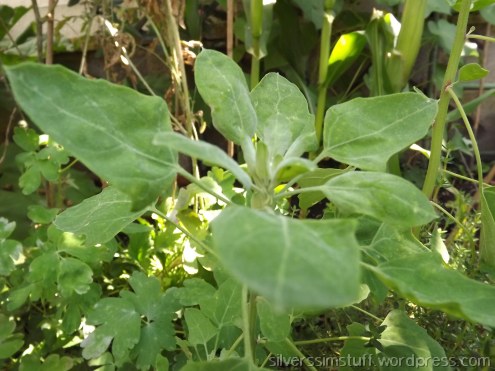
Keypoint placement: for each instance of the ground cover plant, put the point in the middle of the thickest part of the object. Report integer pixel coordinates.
(307, 247)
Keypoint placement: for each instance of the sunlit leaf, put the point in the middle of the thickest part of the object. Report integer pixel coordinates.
(366, 132)
(112, 139)
(472, 71)
(293, 263)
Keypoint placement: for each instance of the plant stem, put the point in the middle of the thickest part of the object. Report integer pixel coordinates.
(230, 52)
(331, 339)
(256, 30)
(378, 319)
(479, 164)
(300, 354)
(39, 30)
(50, 25)
(443, 105)
(248, 350)
(198, 182)
(326, 34)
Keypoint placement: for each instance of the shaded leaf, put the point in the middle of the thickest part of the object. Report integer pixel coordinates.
(232, 364)
(386, 197)
(204, 151)
(99, 217)
(412, 276)
(74, 276)
(293, 263)
(200, 329)
(275, 326)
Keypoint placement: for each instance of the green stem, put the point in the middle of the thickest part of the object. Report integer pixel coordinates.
(443, 105)
(455, 220)
(479, 164)
(200, 184)
(234, 346)
(300, 354)
(256, 30)
(378, 319)
(248, 350)
(332, 339)
(409, 40)
(297, 191)
(326, 34)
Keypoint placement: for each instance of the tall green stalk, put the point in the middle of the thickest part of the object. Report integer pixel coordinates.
(443, 105)
(326, 33)
(256, 30)
(409, 40)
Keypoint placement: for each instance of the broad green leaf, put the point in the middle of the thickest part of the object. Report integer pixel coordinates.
(40, 214)
(385, 197)
(118, 322)
(345, 52)
(26, 138)
(195, 291)
(53, 362)
(472, 71)
(487, 237)
(284, 121)
(412, 276)
(390, 243)
(108, 127)
(74, 276)
(224, 307)
(366, 132)
(10, 343)
(200, 329)
(100, 217)
(222, 85)
(313, 11)
(204, 151)
(404, 339)
(275, 326)
(293, 263)
(231, 364)
(314, 178)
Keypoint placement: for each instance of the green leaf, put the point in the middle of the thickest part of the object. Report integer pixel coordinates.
(275, 326)
(292, 263)
(195, 291)
(74, 276)
(108, 127)
(30, 180)
(412, 277)
(366, 132)
(117, 320)
(284, 122)
(222, 85)
(385, 197)
(51, 363)
(10, 250)
(231, 364)
(487, 237)
(205, 151)
(390, 243)
(475, 4)
(313, 11)
(224, 307)
(10, 343)
(40, 214)
(314, 178)
(404, 339)
(100, 217)
(356, 349)
(472, 71)
(345, 52)
(26, 138)
(200, 329)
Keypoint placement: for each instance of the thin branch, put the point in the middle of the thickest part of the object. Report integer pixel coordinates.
(39, 30)
(50, 26)
(7, 132)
